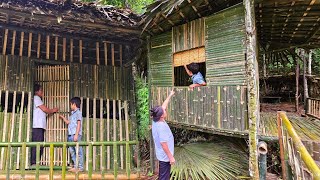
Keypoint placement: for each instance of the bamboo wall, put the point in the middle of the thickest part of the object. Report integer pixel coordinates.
(313, 107)
(225, 50)
(218, 107)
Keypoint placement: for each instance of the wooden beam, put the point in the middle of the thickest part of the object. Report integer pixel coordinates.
(21, 43)
(252, 86)
(64, 49)
(5, 41)
(80, 51)
(56, 42)
(13, 42)
(48, 47)
(97, 53)
(39, 45)
(120, 51)
(29, 44)
(71, 50)
(195, 9)
(105, 53)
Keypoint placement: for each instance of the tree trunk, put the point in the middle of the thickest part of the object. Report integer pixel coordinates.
(305, 81)
(309, 62)
(252, 87)
(297, 83)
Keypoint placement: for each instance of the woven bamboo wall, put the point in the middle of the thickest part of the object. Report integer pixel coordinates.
(218, 107)
(161, 68)
(225, 50)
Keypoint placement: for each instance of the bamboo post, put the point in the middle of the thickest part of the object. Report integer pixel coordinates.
(128, 159)
(56, 42)
(38, 46)
(97, 53)
(91, 157)
(108, 133)
(37, 160)
(64, 49)
(28, 127)
(51, 161)
(297, 82)
(94, 134)
(71, 50)
(120, 51)
(115, 160)
(13, 41)
(253, 87)
(88, 131)
(101, 135)
(80, 51)
(8, 155)
(310, 62)
(120, 133)
(23, 159)
(21, 44)
(305, 81)
(4, 130)
(29, 44)
(48, 47)
(105, 53)
(20, 127)
(64, 160)
(281, 146)
(5, 41)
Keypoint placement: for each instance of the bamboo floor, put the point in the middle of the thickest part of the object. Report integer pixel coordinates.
(44, 174)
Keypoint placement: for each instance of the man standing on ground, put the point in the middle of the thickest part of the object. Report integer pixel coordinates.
(163, 139)
(39, 125)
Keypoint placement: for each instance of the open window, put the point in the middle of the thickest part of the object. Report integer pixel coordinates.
(188, 47)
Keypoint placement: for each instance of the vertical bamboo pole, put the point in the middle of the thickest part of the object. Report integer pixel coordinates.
(305, 81)
(108, 133)
(13, 41)
(105, 53)
(29, 44)
(253, 86)
(120, 134)
(39, 45)
(280, 137)
(113, 63)
(64, 160)
(23, 160)
(97, 53)
(115, 160)
(21, 44)
(120, 51)
(80, 51)
(64, 49)
(101, 135)
(20, 127)
(5, 128)
(37, 160)
(94, 128)
(128, 154)
(28, 127)
(5, 41)
(88, 132)
(8, 155)
(77, 159)
(51, 161)
(297, 83)
(56, 42)
(71, 50)
(48, 47)
(91, 158)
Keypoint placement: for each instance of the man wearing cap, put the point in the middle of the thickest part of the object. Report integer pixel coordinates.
(163, 139)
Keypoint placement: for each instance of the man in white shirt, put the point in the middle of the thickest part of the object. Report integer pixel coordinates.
(39, 125)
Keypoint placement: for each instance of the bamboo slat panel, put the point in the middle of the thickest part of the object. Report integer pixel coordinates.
(313, 107)
(210, 107)
(161, 69)
(107, 82)
(15, 73)
(55, 84)
(14, 125)
(188, 36)
(225, 50)
(196, 55)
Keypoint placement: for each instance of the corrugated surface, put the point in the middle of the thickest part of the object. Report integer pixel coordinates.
(225, 50)
(161, 68)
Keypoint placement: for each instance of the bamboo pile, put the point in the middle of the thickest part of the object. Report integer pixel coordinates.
(217, 107)
(15, 124)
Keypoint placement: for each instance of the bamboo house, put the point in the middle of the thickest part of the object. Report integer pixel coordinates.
(70, 49)
(229, 40)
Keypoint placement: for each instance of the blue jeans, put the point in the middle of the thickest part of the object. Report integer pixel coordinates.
(72, 150)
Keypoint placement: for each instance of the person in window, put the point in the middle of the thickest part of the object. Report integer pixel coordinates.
(196, 76)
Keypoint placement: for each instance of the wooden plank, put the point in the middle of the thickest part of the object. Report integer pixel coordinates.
(71, 50)
(48, 47)
(105, 44)
(21, 43)
(13, 41)
(29, 44)
(39, 45)
(64, 49)
(5, 41)
(80, 51)
(56, 43)
(97, 53)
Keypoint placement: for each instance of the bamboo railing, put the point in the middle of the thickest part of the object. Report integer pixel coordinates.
(61, 172)
(294, 153)
(313, 107)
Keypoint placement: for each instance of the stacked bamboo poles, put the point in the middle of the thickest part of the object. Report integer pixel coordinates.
(55, 83)
(313, 107)
(214, 107)
(14, 119)
(290, 141)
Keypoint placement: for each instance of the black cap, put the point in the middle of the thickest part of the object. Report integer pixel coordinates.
(156, 113)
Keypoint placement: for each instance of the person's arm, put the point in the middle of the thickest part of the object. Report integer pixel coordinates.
(166, 102)
(64, 119)
(198, 85)
(75, 137)
(47, 110)
(168, 153)
(187, 70)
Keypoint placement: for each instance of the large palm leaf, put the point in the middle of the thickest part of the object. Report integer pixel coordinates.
(214, 160)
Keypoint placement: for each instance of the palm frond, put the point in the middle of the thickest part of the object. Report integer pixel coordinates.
(214, 160)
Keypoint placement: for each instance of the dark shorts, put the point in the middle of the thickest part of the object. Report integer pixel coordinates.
(164, 170)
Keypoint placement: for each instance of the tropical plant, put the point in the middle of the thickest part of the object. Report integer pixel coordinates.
(210, 160)
(142, 96)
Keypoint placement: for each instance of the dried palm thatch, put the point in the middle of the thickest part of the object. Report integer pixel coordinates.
(214, 160)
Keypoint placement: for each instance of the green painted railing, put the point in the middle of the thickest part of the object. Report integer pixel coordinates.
(64, 145)
(292, 149)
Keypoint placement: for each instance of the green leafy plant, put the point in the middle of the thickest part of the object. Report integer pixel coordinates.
(143, 116)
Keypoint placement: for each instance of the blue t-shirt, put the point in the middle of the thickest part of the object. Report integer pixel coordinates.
(74, 118)
(161, 133)
(197, 78)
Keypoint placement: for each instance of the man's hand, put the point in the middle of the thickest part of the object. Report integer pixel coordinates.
(61, 117)
(172, 93)
(75, 138)
(172, 160)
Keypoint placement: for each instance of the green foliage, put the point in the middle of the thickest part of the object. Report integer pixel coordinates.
(143, 116)
(214, 160)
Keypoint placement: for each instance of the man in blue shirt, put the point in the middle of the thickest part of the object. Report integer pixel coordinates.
(163, 139)
(75, 132)
(196, 76)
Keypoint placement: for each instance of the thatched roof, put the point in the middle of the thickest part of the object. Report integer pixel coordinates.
(83, 19)
(281, 24)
